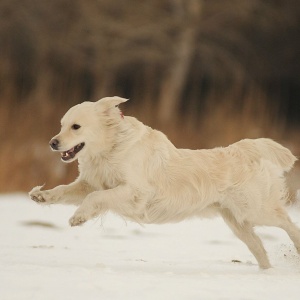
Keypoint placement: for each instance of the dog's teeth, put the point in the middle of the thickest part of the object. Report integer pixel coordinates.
(64, 154)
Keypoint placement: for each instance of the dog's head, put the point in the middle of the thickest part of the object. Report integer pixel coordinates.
(86, 126)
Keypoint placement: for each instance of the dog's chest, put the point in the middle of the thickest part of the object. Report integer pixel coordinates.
(104, 175)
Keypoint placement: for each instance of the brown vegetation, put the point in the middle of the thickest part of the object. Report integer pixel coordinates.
(206, 72)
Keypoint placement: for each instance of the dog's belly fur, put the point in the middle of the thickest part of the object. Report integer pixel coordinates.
(159, 214)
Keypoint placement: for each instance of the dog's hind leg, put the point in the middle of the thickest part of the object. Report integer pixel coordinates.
(281, 219)
(246, 234)
(293, 232)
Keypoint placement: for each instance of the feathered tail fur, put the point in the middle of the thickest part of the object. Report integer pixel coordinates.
(269, 150)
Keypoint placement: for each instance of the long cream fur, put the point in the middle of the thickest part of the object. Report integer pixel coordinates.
(135, 171)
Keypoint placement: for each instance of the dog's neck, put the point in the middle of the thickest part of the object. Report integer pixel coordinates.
(124, 135)
(128, 132)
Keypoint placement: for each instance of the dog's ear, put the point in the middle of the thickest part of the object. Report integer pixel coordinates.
(108, 107)
(108, 103)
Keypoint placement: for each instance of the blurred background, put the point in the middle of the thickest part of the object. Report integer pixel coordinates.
(206, 72)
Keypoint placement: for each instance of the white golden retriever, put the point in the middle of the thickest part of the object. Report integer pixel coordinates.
(135, 171)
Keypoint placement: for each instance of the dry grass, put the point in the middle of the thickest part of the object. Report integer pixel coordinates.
(25, 157)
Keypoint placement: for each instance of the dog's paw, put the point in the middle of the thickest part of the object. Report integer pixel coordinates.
(77, 220)
(37, 195)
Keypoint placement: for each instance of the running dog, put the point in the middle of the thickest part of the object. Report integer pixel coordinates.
(135, 171)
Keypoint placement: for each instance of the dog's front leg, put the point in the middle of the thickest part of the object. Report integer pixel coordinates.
(96, 203)
(73, 193)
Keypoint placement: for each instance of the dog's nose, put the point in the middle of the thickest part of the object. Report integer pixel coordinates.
(54, 144)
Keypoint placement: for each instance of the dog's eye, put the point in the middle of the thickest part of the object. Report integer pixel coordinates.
(75, 126)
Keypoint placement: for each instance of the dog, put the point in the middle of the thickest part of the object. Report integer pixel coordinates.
(135, 171)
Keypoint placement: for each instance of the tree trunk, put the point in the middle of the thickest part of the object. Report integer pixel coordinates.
(187, 11)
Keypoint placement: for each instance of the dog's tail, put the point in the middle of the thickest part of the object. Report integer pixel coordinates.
(267, 149)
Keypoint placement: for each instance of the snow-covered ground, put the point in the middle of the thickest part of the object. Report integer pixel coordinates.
(41, 257)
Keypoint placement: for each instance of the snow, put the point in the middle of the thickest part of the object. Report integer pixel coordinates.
(41, 257)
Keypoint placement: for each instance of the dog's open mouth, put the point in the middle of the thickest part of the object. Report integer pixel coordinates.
(67, 155)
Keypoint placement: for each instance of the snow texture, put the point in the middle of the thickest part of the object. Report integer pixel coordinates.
(41, 257)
